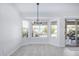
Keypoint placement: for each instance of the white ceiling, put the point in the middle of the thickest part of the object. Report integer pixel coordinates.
(48, 9)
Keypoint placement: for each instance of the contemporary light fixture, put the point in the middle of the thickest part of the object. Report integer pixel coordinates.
(37, 12)
(38, 22)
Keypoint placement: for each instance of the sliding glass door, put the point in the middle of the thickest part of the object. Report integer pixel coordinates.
(72, 32)
(77, 32)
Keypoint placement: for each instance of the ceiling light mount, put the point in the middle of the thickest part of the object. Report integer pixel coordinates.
(37, 3)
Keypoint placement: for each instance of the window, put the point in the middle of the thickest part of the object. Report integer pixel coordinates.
(25, 25)
(53, 29)
(39, 30)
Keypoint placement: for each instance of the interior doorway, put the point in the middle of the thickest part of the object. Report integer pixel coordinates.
(72, 32)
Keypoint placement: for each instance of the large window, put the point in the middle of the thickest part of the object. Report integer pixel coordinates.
(39, 30)
(53, 29)
(25, 25)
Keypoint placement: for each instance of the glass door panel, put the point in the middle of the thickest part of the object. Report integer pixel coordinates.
(77, 32)
(70, 32)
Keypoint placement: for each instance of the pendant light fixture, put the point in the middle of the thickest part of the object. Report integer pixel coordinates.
(37, 12)
(38, 22)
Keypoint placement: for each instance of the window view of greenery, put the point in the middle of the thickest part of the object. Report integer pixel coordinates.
(71, 28)
(72, 31)
(39, 30)
(25, 28)
(78, 29)
(54, 29)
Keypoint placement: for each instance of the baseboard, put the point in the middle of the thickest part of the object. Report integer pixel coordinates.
(57, 45)
(17, 47)
(34, 43)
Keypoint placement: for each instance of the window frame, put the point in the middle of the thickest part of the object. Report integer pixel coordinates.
(45, 23)
(55, 24)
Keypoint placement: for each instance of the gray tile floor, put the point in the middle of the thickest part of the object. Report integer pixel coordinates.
(44, 50)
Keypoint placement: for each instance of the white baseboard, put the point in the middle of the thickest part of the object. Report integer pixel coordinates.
(34, 43)
(17, 47)
(56, 45)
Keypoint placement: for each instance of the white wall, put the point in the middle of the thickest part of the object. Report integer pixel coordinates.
(10, 29)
